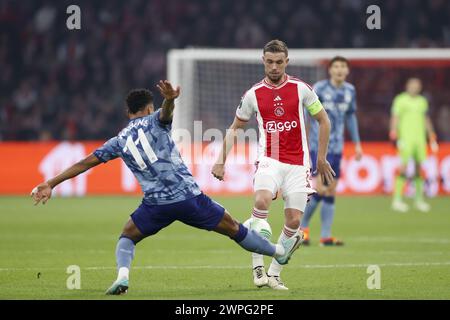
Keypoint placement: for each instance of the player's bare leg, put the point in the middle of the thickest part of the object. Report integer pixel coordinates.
(124, 255)
(398, 204)
(228, 226)
(290, 229)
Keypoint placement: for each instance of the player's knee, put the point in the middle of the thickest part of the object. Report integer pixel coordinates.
(292, 218)
(228, 226)
(293, 223)
(131, 232)
(262, 202)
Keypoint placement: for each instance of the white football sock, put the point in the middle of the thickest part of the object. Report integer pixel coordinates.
(258, 259)
(123, 273)
(279, 250)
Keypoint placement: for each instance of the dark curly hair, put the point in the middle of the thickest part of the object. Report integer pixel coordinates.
(138, 99)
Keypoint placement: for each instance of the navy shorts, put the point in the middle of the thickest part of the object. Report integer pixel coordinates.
(200, 212)
(333, 158)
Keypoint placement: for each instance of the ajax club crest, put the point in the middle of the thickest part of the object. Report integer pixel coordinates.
(279, 111)
(278, 104)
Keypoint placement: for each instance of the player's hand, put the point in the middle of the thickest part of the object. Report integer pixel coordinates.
(393, 135)
(167, 91)
(358, 152)
(41, 192)
(326, 172)
(434, 146)
(218, 171)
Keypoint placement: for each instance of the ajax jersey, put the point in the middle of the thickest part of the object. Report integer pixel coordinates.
(279, 113)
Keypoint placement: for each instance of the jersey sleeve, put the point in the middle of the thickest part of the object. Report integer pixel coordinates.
(154, 118)
(247, 106)
(318, 88)
(108, 151)
(310, 99)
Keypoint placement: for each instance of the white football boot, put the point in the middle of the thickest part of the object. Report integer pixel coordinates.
(422, 206)
(276, 283)
(260, 277)
(399, 206)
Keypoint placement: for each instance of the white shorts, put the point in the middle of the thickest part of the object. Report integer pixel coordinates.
(273, 175)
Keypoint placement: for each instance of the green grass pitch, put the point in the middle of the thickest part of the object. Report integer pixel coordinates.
(412, 251)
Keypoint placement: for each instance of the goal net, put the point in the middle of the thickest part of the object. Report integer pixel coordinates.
(213, 81)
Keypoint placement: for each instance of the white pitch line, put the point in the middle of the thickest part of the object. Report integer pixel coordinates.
(306, 266)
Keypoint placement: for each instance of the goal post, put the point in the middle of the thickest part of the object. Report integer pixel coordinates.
(213, 80)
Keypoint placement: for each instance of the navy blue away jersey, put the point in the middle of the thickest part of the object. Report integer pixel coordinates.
(340, 103)
(147, 148)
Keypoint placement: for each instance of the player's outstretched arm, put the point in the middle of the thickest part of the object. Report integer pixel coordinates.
(218, 170)
(43, 191)
(169, 94)
(323, 167)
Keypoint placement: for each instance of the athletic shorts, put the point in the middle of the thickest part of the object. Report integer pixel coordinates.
(333, 158)
(273, 175)
(199, 212)
(416, 150)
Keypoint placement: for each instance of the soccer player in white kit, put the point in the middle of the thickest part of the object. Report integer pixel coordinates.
(283, 155)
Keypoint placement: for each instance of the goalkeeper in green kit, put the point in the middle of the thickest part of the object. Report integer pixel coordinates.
(409, 127)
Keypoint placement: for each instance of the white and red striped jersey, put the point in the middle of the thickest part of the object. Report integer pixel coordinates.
(281, 124)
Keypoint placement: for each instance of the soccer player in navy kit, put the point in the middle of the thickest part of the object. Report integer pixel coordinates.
(338, 97)
(170, 192)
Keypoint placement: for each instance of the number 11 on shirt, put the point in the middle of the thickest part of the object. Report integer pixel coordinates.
(132, 147)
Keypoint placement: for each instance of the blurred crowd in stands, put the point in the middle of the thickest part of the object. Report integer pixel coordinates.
(62, 84)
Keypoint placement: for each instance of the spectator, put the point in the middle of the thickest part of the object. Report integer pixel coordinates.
(62, 80)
